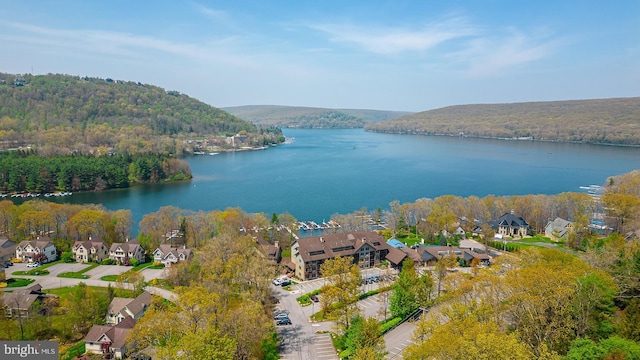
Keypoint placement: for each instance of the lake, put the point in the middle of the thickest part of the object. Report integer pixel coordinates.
(323, 172)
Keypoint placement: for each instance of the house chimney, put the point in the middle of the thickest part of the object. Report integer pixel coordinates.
(276, 243)
(364, 239)
(89, 237)
(184, 246)
(321, 239)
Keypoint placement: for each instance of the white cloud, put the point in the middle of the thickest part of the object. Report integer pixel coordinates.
(488, 56)
(396, 40)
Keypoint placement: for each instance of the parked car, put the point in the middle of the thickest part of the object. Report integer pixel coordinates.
(280, 315)
(277, 282)
(314, 298)
(33, 265)
(285, 282)
(283, 321)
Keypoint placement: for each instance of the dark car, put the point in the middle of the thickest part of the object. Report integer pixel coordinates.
(314, 298)
(285, 283)
(283, 321)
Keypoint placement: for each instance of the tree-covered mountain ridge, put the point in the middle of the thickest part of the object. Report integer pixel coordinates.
(614, 121)
(63, 114)
(310, 117)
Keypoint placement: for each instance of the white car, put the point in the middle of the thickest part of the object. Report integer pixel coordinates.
(33, 265)
(277, 282)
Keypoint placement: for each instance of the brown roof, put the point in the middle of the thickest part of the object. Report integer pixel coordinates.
(139, 303)
(128, 246)
(7, 247)
(23, 298)
(40, 243)
(342, 244)
(116, 334)
(133, 305)
(396, 256)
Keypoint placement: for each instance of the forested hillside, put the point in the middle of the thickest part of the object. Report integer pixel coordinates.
(307, 117)
(601, 121)
(62, 114)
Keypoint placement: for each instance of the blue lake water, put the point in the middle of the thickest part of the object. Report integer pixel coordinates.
(324, 172)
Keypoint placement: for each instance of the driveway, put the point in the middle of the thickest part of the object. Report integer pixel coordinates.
(301, 340)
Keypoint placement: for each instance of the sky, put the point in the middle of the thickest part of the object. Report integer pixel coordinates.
(402, 55)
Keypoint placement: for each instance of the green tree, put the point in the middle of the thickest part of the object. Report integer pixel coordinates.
(341, 290)
(403, 299)
(364, 337)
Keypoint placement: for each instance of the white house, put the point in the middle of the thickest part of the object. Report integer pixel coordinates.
(27, 250)
(168, 255)
(122, 253)
(90, 250)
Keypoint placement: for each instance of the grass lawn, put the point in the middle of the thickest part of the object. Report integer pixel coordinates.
(141, 266)
(109, 278)
(537, 238)
(18, 282)
(78, 274)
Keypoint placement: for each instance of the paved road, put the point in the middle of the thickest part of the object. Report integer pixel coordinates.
(301, 340)
(398, 339)
(51, 281)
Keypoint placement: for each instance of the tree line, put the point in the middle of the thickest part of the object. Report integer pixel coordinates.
(24, 171)
(600, 121)
(60, 114)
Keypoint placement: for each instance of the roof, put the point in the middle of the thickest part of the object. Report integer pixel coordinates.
(129, 246)
(88, 244)
(133, 305)
(396, 256)
(40, 243)
(510, 219)
(559, 225)
(7, 247)
(115, 334)
(167, 249)
(23, 298)
(429, 253)
(396, 243)
(342, 244)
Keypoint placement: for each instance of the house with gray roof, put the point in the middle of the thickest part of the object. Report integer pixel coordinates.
(510, 224)
(21, 302)
(122, 253)
(122, 308)
(558, 228)
(7, 250)
(27, 250)
(109, 340)
(90, 250)
(167, 254)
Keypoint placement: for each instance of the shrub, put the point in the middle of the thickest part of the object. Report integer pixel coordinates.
(107, 261)
(389, 324)
(67, 257)
(134, 262)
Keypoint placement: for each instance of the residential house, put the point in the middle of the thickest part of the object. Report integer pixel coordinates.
(510, 224)
(432, 254)
(558, 228)
(122, 308)
(366, 248)
(27, 250)
(273, 251)
(167, 254)
(90, 250)
(7, 250)
(123, 253)
(109, 340)
(20, 303)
